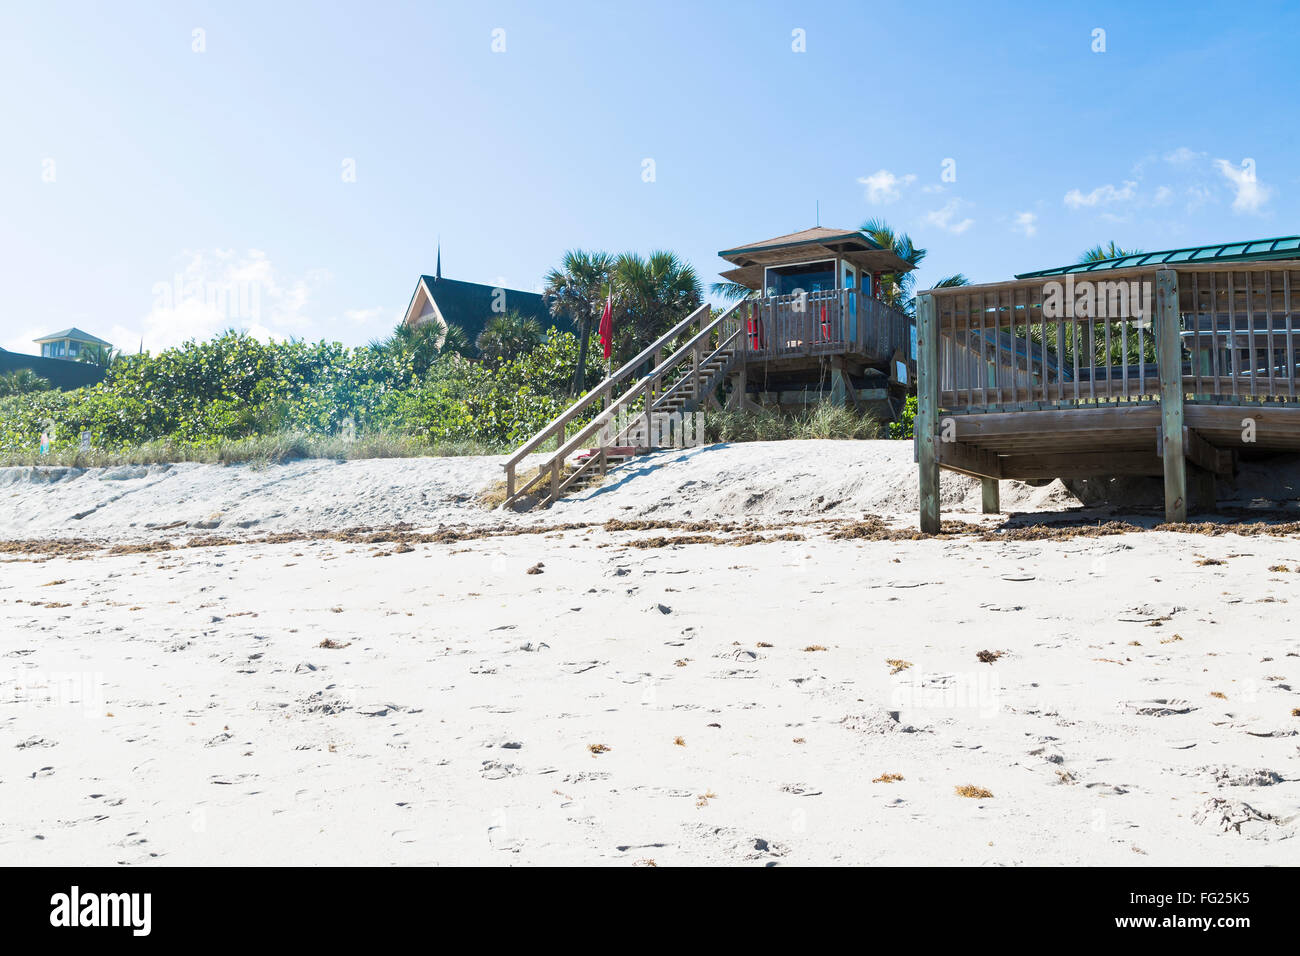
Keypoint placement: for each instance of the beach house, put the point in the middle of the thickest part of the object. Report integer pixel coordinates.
(71, 344)
(469, 304)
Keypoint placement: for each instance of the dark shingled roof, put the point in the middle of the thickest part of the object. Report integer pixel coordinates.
(61, 372)
(470, 304)
(73, 333)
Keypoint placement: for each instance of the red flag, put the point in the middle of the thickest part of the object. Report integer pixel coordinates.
(607, 326)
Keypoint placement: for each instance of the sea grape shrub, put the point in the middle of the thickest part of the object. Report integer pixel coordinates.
(235, 386)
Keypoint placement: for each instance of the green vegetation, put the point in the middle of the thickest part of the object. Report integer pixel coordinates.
(422, 390)
(820, 421)
(903, 428)
(508, 337)
(256, 450)
(1100, 253)
(22, 381)
(105, 356)
(235, 398)
(899, 289)
(650, 295)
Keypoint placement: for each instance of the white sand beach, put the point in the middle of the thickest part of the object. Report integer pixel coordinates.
(719, 656)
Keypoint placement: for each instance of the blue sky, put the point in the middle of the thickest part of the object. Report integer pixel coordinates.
(145, 165)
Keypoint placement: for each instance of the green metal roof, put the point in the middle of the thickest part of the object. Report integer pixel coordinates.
(1256, 250)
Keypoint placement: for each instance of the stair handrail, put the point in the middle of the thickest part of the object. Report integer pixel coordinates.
(592, 427)
(722, 346)
(599, 390)
(642, 385)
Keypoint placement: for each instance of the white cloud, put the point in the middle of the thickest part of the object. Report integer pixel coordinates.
(1197, 196)
(1251, 194)
(220, 289)
(1181, 155)
(946, 218)
(1101, 195)
(1162, 196)
(23, 343)
(1026, 222)
(884, 187)
(364, 316)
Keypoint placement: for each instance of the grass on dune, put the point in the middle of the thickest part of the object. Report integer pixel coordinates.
(821, 421)
(265, 449)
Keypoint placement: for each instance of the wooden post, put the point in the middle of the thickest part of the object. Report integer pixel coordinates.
(927, 411)
(1169, 354)
(989, 494)
(510, 482)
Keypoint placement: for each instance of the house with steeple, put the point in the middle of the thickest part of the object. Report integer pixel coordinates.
(469, 304)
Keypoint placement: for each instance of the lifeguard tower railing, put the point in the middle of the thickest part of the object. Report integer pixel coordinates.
(831, 322)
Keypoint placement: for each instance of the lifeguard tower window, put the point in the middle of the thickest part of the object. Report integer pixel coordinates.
(809, 276)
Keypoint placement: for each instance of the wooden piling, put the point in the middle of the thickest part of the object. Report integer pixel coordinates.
(927, 410)
(989, 495)
(1169, 353)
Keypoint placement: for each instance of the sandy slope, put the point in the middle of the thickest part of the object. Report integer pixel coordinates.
(761, 481)
(455, 722)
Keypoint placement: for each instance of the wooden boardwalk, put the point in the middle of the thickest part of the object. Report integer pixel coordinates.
(1171, 372)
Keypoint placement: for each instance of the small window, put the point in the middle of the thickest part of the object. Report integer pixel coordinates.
(809, 276)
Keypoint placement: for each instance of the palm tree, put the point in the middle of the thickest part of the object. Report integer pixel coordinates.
(455, 340)
(578, 289)
(896, 288)
(732, 291)
(420, 345)
(507, 337)
(22, 381)
(651, 295)
(104, 356)
(1100, 253)
(947, 282)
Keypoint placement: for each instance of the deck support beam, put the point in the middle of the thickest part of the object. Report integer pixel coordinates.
(1170, 360)
(989, 498)
(927, 412)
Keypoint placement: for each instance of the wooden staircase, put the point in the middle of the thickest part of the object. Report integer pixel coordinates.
(625, 405)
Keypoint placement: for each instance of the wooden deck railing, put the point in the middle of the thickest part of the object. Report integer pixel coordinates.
(1185, 340)
(1009, 345)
